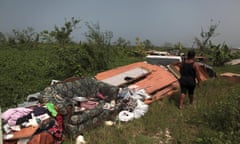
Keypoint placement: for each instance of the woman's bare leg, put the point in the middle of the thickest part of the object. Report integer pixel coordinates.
(182, 96)
(191, 99)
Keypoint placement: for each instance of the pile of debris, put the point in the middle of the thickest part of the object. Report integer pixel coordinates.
(157, 81)
(78, 104)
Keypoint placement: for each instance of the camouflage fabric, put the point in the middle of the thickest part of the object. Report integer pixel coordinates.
(61, 95)
(51, 95)
(86, 115)
(86, 87)
(78, 125)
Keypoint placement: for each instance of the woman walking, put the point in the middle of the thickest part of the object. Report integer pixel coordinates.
(189, 77)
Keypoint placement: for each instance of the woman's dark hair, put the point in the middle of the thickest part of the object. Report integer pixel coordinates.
(191, 54)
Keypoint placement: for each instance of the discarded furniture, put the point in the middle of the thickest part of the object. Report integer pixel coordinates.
(76, 118)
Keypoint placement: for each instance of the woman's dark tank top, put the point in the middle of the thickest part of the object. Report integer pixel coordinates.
(188, 70)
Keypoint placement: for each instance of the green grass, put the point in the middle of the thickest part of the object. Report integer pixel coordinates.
(186, 126)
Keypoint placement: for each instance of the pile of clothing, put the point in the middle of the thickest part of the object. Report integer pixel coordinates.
(33, 124)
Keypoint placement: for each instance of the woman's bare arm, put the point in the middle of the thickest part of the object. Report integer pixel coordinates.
(197, 69)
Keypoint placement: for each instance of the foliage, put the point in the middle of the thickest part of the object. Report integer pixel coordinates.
(221, 118)
(179, 47)
(47, 37)
(121, 43)
(99, 46)
(23, 38)
(3, 38)
(26, 71)
(139, 48)
(206, 36)
(23, 72)
(82, 60)
(61, 34)
(235, 55)
(96, 37)
(148, 44)
(220, 54)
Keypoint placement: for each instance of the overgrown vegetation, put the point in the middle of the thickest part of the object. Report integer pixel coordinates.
(28, 71)
(29, 61)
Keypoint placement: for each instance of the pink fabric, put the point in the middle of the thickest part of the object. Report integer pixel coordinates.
(11, 115)
(101, 96)
(88, 104)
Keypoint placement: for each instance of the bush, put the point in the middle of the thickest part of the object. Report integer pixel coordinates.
(222, 120)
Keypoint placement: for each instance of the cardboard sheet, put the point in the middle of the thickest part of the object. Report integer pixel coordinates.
(23, 133)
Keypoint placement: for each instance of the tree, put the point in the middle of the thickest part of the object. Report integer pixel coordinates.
(2, 38)
(148, 44)
(206, 36)
(46, 37)
(122, 43)
(96, 37)
(220, 54)
(27, 37)
(61, 34)
(179, 47)
(99, 45)
(139, 49)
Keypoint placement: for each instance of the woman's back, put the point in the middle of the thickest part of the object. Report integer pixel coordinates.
(187, 69)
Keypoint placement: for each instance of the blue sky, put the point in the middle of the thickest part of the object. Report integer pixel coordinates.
(160, 21)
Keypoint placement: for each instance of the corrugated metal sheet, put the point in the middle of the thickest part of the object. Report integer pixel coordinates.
(127, 76)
